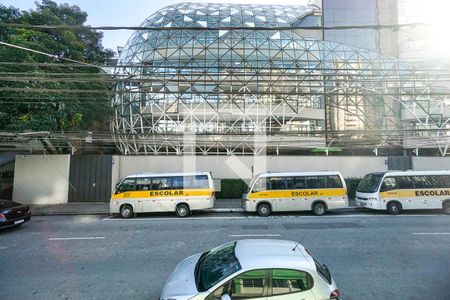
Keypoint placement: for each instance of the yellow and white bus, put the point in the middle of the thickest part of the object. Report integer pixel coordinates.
(295, 191)
(163, 192)
(401, 190)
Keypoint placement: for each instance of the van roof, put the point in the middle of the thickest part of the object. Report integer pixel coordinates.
(285, 174)
(167, 174)
(410, 172)
(403, 173)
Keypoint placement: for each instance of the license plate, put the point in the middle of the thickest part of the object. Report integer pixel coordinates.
(19, 221)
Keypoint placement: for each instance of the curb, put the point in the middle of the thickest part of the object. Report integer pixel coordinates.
(212, 210)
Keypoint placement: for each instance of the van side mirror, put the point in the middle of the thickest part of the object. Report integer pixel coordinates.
(225, 297)
(117, 191)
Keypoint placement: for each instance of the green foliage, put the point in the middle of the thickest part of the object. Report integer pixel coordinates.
(231, 189)
(27, 97)
(352, 184)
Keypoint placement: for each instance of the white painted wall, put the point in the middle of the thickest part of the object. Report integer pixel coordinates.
(244, 166)
(41, 179)
(430, 163)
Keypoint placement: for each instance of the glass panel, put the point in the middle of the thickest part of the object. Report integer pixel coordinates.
(160, 183)
(389, 183)
(334, 182)
(404, 182)
(143, 184)
(295, 183)
(425, 182)
(216, 265)
(248, 285)
(127, 185)
(286, 281)
(316, 182)
(261, 184)
(277, 183)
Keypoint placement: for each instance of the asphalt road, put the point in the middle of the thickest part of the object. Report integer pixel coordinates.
(371, 256)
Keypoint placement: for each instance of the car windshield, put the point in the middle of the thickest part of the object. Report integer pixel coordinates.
(216, 265)
(370, 183)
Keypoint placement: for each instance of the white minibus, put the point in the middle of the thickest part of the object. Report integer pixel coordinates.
(295, 191)
(163, 192)
(401, 190)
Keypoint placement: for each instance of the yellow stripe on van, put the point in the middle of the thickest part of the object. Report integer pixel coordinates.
(415, 193)
(298, 193)
(165, 194)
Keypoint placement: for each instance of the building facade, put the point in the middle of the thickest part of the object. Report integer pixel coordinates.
(250, 79)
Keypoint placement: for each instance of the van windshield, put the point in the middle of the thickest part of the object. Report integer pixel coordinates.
(370, 183)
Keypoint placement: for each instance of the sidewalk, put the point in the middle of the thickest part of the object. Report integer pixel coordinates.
(102, 208)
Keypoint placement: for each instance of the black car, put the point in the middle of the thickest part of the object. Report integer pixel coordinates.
(13, 213)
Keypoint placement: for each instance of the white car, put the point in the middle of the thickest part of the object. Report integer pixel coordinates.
(251, 269)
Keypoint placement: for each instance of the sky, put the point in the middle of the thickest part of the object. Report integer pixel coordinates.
(125, 13)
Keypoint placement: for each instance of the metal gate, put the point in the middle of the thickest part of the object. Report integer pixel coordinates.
(401, 163)
(90, 178)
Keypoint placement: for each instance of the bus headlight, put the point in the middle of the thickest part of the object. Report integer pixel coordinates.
(372, 199)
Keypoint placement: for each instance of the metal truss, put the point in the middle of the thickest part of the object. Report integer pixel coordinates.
(246, 91)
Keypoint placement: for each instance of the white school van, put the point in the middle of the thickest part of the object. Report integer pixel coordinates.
(400, 190)
(163, 192)
(295, 191)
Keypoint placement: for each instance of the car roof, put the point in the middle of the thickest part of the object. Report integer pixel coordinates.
(284, 174)
(166, 174)
(269, 253)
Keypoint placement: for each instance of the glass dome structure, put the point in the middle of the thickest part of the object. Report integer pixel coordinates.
(235, 78)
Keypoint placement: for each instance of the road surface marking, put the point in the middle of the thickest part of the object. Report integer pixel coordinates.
(3, 248)
(253, 235)
(77, 238)
(431, 233)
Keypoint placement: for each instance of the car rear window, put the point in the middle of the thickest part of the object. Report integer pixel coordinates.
(323, 271)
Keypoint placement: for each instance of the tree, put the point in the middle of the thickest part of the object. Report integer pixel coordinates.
(40, 93)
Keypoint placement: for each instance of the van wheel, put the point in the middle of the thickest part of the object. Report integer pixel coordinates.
(394, 208)
(446, 207)
(126, 211)
(319, 209)
(263, 210)
(182, 210)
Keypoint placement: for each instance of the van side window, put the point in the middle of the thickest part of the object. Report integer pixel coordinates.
(160, 183)
(127, 185)
(260, 185)
(425, 182)
(177, 182)
(277, 183)
(143, 184)
(334, 182)
(389, 183)
(316, 182)
(295, 183)
(444, 181)
(196, 182)
(404, 182)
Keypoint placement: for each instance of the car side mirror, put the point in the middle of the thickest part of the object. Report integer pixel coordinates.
(225, 297)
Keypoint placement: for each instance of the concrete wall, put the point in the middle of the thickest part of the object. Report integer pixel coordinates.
(41, 179)
(245, 166)
(430, 163)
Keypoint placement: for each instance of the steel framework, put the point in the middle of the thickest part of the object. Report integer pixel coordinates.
(224, 78)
